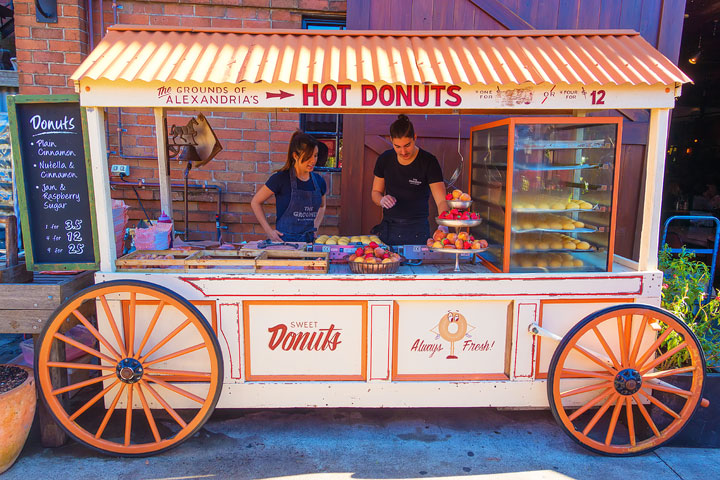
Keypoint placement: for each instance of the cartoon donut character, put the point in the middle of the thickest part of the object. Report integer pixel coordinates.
(452, 327)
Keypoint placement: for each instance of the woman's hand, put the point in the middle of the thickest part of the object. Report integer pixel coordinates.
(275, 235)
(387, 201)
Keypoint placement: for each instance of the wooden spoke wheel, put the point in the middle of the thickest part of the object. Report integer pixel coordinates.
(154, 373)
(604, 386)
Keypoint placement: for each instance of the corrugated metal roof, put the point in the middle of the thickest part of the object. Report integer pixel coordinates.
(149, 54)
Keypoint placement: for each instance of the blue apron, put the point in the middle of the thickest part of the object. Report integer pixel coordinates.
(297, 223)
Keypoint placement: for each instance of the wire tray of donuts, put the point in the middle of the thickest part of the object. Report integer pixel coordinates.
(374, 261)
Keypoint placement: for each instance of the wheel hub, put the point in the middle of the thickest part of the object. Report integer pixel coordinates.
(129, 370)
(628, 381)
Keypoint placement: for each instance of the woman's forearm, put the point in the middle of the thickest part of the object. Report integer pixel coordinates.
(260, 216)
(376, 196)
(319, 217)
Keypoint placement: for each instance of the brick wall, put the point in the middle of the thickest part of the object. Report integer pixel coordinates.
(48, 53)
(254, 144)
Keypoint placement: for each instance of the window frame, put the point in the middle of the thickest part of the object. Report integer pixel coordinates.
(325, 23)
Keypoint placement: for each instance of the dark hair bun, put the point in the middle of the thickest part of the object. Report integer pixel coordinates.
(402, 127)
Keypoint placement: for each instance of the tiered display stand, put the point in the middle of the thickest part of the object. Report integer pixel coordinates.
(458, 224)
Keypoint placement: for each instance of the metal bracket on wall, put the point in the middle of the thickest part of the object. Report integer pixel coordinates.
(46, 11)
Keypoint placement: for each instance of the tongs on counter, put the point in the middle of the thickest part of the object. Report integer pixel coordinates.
(262, 244)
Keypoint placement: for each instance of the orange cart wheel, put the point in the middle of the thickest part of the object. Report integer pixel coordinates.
(148, 382)
(604, 386)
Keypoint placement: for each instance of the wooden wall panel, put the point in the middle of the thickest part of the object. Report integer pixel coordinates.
(400, 17)
(649, 23)
(422, 14)
(380, 18)
(568, 14)
(464, 14)
(351, 191)
(505, 12)
(671, 25)
(358, 15)
(610, 13)
(630, 14)
(632, 168)
(544, 14)
(589, 13)
(443, 18)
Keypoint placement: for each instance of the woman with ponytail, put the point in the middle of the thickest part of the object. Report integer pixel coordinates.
(404, 179)
(299, 194)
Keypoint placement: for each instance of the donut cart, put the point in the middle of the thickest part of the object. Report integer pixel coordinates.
(581, 338)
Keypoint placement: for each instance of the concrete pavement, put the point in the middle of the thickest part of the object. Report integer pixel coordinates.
(329, 444)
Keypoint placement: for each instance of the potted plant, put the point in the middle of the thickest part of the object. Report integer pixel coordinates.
(17, 409)
(684, 293)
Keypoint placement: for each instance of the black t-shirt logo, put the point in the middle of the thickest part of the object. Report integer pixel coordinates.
(414, 181)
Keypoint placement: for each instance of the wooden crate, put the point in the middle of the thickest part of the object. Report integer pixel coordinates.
(223, 261)
(25, 308)
(168, 261)
(287, 261)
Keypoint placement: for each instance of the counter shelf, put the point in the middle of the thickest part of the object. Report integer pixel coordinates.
(596, 207)
(553, 230)
(548, 210)
(564, 145)
(555, 168)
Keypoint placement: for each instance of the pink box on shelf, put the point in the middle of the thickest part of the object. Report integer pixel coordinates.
(78, 333)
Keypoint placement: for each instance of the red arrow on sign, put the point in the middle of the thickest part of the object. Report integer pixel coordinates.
(281, 95)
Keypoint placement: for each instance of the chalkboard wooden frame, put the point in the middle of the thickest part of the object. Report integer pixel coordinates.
(19, 172)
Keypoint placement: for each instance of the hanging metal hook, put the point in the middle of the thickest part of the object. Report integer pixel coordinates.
(456, 174)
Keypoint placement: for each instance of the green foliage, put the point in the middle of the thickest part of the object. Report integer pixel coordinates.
(684, 293)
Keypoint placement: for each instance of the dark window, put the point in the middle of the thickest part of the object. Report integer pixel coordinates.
(326, 127)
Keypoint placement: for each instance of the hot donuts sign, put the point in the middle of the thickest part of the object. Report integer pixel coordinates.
(329, 95)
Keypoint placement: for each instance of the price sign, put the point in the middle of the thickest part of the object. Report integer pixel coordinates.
(55, 191)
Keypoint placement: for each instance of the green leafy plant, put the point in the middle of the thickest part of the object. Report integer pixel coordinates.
(684, 293)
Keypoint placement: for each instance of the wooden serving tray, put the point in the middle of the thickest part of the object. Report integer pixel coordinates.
(286, 261)
(223, 261)
(167, 261)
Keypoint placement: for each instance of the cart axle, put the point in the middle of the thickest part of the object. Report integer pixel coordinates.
(129, 370)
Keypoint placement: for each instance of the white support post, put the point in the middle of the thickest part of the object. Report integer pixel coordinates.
(655, 172)
(163, 167)
(101, 183)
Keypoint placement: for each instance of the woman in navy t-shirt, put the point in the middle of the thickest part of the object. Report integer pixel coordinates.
(299, 194)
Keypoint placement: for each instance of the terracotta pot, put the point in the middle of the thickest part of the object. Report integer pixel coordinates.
(17, 410)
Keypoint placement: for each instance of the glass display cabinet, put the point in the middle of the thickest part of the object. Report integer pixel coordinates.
(545, 188)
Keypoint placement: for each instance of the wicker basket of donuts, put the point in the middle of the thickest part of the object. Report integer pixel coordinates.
(374, 260)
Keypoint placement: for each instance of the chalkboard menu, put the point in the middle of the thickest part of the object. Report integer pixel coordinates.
(55, 194)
